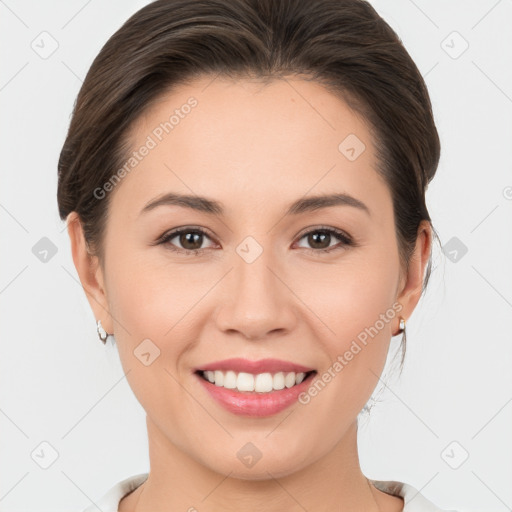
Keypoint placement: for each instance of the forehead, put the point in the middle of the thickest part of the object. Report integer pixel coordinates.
(231, 139)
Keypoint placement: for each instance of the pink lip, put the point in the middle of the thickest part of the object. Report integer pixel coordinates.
(238, 364)
(251, 403)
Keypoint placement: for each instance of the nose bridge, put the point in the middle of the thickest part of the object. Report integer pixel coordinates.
(258, 301)
(252, 271)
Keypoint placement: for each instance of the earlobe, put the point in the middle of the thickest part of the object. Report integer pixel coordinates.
(89, 271)
(401, 326)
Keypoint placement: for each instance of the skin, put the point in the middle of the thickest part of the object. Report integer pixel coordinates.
(291, 303)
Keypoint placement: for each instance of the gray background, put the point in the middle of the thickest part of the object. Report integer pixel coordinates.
(60, 386)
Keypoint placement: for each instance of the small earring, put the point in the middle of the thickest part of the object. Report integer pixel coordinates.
(401, 327)
(103, 335)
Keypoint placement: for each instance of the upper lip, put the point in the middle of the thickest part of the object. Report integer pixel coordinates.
(238, 364)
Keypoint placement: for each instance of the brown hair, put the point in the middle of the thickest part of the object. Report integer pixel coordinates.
(343, 44)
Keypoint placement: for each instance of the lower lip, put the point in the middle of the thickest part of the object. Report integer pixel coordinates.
(251, 403)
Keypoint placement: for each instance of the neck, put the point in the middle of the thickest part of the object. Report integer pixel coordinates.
(333, 482)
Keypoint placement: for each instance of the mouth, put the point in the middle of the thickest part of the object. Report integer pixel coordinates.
(245, 382)
(257, 395)
(254, 388)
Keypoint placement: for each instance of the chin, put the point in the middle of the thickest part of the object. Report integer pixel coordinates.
(246, 462)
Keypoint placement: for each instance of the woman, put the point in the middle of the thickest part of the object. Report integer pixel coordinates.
(244, 186)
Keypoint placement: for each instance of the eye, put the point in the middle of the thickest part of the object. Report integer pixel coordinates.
(321, 238)
(190, 239)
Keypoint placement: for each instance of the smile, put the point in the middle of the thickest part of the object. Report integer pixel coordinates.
(260, 383)
(254, 388)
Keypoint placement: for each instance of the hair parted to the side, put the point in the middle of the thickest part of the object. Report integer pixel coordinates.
(343, 44)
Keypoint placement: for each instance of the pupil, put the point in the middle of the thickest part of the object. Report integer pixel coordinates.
(313, 239)
(185, 240)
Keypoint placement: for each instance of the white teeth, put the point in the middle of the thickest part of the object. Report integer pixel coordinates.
(219, 378)
(245, 382)
(299, 378)
(289, 380)
(278, 382)
(261, 383)
(230, 380)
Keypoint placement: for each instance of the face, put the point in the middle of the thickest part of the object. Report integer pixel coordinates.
(318, 288)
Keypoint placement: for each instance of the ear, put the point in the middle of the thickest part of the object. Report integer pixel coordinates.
(412, 282)
(90, 272)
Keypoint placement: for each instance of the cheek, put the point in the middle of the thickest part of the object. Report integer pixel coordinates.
(357, 355)
(358, 305)
(350, 297)
(152, 298)
(151, 309)
(156, 311)
(355, 303)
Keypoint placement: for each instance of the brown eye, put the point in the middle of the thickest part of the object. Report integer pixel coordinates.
(188, 240)
(319, 240)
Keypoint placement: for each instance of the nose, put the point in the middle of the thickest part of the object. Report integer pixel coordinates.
(257, 301)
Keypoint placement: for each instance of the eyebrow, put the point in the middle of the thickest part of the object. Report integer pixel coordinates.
(212, 207)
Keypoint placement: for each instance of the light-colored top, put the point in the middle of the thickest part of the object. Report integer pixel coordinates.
(413, 500)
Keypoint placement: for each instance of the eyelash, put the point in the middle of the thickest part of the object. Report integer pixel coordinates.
(342, 236)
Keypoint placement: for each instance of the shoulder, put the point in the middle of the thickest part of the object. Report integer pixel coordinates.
(413, 500)
(109, 501)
